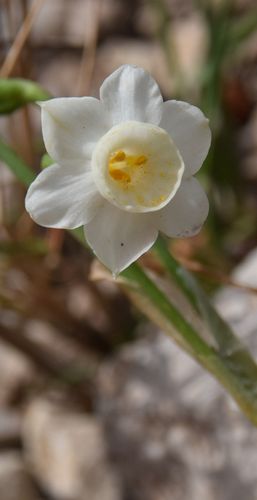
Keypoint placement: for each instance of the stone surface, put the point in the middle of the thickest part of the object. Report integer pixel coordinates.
(10, 427)
(239, 307)
(59, 22)
(72, 23)
(189, 39)
(15, 482)
(66, 451)
(16, 372)
(170, 420)
(60, 75)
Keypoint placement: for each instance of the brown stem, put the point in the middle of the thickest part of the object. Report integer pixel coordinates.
(20, 40)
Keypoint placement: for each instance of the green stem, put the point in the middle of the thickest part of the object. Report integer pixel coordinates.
(181, 277)
(226, 341)
(237, 372)
(191, 339)
(16, 164)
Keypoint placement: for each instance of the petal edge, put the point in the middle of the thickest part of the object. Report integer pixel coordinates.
(63, 198)
(190, 130)
(185, 214)
(71, 126)
(118, 238)
(130, 93)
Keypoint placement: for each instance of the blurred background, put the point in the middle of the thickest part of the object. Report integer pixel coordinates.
(95, 402)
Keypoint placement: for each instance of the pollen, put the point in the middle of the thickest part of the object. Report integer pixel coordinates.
(117, 157)
(139, 160)
(120, 175)
(122, 167)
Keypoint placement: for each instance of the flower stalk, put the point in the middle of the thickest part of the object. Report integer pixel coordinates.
(235, 370)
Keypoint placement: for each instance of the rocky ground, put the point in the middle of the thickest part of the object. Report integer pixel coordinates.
(160, 427)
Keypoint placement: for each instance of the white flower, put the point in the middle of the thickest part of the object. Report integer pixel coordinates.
(124, 167)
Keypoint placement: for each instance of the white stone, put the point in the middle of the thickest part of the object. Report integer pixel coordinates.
(15, 483)
(16, 371)
(66, 452)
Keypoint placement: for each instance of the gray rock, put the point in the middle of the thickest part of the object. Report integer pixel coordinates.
(173, 432)
(238, 306)
(72, 23)
(16, 372)
(65, 450)
(10, 428)
(15, 482)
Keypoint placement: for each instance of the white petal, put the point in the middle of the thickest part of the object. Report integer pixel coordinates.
(62, 197)
(130, 93)
(118, 238)
(189, 129)
(71, 127)
(186, 213)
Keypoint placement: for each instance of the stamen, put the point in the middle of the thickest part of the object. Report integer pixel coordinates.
(121, 165)
(118, 156)
(140, 160)
(120, 175)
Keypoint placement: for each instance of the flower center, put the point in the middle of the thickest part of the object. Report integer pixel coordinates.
(125, 168)
(137, 167)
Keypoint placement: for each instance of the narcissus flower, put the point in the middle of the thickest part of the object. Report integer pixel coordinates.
(123, 168)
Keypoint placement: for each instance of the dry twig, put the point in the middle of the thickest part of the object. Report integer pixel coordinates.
(20, 40)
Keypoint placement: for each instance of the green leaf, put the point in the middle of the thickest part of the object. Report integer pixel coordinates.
(225, 339)
(240, 30)
(46, 161)
(29, 247)
(16, 164)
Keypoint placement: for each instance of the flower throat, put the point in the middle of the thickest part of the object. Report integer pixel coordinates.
(123, 168)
